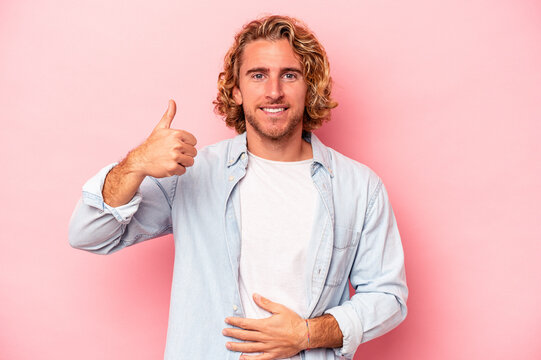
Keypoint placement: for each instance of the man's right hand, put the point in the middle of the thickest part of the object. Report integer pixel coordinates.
(165, 152)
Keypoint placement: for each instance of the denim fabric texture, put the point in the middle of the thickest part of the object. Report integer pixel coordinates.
(355, 237)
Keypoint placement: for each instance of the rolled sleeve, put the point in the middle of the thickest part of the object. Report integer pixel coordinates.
(351, 327)
(103, 229)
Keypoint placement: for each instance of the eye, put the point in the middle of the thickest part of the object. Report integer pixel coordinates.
(290, 76)
(257, 76)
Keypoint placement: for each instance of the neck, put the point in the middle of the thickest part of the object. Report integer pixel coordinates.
(291, 148)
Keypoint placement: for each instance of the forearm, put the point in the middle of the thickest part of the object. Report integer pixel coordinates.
(102, 221)
(95, 230)
(164, 153)
(96, 226)
(122, 183)
(324, 332)
(100, 228)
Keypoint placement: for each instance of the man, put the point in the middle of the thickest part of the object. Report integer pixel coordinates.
(269, 225)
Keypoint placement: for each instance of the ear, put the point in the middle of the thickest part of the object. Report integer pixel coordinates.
(237, 95)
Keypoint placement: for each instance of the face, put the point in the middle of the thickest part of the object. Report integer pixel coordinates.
(271, 90)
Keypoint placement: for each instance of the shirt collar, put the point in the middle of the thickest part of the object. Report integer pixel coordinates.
(320, 152)
(237, 148)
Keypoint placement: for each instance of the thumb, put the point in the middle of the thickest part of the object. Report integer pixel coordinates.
(167, 118)
(266, 304)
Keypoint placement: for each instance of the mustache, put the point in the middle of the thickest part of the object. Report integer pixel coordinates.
(274, 103)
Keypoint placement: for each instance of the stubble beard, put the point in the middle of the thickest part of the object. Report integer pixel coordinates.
(273, 134)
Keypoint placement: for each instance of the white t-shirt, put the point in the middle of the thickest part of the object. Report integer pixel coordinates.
(278, 201)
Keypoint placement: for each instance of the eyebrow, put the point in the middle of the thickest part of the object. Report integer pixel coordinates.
(266, 70)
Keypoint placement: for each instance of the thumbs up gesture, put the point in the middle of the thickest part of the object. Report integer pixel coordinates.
(166, 151)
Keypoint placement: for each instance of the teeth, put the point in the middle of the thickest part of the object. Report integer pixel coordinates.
(273, 110)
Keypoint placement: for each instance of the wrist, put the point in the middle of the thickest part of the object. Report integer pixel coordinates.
(133, 165)
(308, 345)
(121, 184)
(323, 332)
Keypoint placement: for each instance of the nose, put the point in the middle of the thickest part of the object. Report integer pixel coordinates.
(274, 89)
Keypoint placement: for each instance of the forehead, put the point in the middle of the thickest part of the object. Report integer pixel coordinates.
(269, 54)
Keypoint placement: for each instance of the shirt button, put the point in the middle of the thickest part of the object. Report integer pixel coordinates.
(231, 178)
(235, 308)
(243, 156)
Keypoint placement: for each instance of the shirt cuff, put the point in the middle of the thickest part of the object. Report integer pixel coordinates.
(351, 327)
(92, 196)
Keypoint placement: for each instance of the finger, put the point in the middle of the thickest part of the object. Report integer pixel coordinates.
(244, 323)
(185, 160)
(246, 335)
(176, 169)
(167, 118)
(266, 304)
(263, 356)
(187, 137)
(247, 347)
(182, 146)
(189, 150)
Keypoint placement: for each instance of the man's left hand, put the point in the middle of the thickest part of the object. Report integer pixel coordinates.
(279, 336)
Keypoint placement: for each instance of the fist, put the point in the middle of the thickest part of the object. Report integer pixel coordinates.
(166, 151)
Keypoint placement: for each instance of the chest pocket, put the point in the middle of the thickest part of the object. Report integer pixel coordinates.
(343, 251)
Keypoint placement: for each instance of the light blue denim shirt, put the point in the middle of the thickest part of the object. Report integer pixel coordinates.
(354, 237)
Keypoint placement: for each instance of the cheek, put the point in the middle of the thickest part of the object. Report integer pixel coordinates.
(301, 96)
(298, 91)
(251, 97)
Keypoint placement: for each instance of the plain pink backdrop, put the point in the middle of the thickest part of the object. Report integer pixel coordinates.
(441, 98)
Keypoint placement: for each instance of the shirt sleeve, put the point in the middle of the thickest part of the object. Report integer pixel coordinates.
(102, 229)
(378, 277)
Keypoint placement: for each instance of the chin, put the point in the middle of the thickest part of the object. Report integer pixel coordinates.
(265, 126)
(274, 133)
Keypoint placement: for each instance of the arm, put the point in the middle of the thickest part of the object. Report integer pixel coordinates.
(164, 153)
(324, 332)
(378, 277)
(283, 334)
(126, 203)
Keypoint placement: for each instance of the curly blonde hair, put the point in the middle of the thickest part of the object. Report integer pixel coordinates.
(315, 68)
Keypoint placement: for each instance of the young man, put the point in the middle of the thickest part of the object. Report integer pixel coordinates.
(272, 212)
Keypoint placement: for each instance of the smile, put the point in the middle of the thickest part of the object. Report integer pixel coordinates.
(273, 110)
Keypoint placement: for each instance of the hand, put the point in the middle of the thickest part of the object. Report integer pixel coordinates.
(166, 151)
(279, 336)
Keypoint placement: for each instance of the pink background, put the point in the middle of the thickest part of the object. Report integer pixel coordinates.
(441, 98)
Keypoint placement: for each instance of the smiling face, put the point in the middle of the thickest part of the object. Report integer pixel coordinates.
(271, 90)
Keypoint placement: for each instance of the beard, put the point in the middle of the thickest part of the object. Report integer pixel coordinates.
(274, 133)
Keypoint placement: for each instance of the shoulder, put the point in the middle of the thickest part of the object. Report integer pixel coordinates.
(350, 171)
